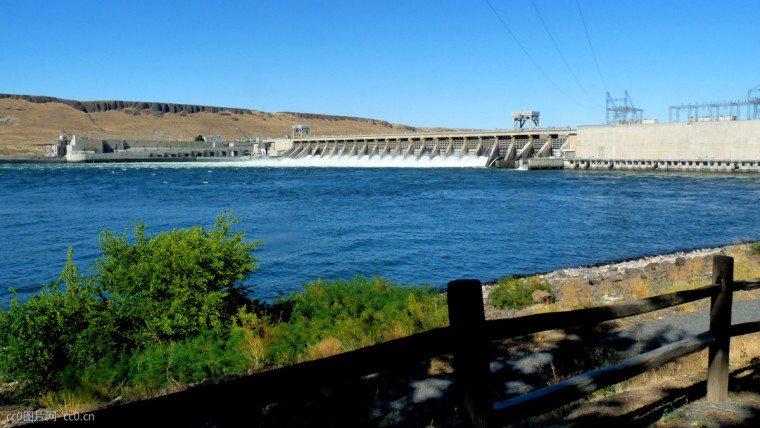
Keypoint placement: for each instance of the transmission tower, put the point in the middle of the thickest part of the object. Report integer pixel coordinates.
(753, 104)
(719, 111)
(621, 110)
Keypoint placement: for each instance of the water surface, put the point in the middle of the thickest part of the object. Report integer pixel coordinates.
(410, 224)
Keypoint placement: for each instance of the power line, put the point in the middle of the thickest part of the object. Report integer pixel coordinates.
(530, 57)
(559, 51)
(591, 46)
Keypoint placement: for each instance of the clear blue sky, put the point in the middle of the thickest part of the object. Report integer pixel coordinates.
(422, 63)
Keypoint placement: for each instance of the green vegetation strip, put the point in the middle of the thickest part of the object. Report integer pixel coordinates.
(172, 309)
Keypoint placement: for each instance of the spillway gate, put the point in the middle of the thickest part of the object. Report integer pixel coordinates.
(499, 148)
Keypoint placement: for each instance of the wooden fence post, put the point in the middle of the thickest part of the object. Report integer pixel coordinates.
(472, 370)
(720, 325)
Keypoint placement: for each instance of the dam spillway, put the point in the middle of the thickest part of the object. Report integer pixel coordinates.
(494, 148)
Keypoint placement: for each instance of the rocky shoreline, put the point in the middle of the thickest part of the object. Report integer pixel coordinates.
(648, 268)
(618, 271)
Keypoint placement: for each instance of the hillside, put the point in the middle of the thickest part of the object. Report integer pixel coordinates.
(29, 123)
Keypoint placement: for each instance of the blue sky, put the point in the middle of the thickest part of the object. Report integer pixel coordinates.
(421, 63)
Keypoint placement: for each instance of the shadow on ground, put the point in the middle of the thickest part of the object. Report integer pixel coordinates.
(425, 394)
(684, 406)
(419, 398)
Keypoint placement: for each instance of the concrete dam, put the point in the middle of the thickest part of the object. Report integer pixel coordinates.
(729, 145)
(504, 149)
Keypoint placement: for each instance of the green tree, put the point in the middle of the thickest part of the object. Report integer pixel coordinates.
(199, 138)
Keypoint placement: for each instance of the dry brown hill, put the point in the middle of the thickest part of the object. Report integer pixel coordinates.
(28, 123)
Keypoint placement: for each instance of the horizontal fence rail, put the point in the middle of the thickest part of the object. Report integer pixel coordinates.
(513, 327)
(572, 389)
(466, 339)
(567, 391)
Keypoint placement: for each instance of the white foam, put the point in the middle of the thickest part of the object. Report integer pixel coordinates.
(376, 161)
(370, 162)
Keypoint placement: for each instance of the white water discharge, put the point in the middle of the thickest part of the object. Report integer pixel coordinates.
(312, 162)
(370, 162)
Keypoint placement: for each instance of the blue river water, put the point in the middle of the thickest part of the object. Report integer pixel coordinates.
(412, 225)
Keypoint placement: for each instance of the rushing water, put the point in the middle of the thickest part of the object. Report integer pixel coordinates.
(409, 224)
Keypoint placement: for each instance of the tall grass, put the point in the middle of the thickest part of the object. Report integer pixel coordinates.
(351, 314)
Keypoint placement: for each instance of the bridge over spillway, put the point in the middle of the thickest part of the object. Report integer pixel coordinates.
(500, 148)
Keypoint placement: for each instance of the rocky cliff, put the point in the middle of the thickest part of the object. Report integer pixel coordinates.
(101, 106)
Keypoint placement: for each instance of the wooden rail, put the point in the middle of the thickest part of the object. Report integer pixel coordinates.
(467, 339)
(717, 338)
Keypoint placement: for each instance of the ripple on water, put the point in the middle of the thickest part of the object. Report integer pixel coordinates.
(411, 225)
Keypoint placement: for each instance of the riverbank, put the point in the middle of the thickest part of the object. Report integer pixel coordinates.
(609, 283)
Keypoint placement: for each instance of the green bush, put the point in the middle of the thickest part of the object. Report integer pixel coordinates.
(169, 287)
(207, 355)
(754, 247)
(516, 293)
(359, 312)
(175, 284)
(171, 309)
(50, 331)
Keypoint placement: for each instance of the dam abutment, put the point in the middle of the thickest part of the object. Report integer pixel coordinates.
(731, 146)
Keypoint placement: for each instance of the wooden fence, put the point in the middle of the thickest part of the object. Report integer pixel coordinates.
(467, 339)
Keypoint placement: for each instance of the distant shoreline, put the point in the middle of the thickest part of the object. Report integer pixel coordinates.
(30, 159)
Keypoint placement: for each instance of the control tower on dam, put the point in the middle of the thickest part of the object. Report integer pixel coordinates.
(500, 148)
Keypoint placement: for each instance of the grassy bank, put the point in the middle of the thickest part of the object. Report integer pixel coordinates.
(162, 311)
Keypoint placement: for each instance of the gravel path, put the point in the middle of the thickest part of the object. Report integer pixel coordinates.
(669, 330)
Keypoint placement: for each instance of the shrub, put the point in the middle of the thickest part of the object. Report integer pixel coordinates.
(175, 284)
(754, 247)
(50, 331)
(516, 293)
(255, 334)
(165, 288)
(207, 355)
(171, 309)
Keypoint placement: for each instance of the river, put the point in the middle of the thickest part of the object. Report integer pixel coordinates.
(410, 224)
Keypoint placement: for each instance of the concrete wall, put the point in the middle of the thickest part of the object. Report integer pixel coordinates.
(84, 150)
(280, 146)
(731, 140)
(665, 165)
(79, 143)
